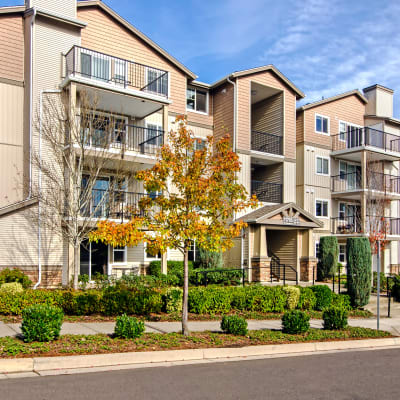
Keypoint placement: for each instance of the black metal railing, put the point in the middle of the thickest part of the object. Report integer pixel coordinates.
(383, 182)
(282, 272)
(105, 68)
(266, 142)
(267, 192)
(116, 204)
(383, 225)
(129, 137)
(357, 137)
(346, 225)
(346, 182)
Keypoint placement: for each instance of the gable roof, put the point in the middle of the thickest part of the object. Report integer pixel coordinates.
(355, 92)
(260, 215)
(130, 27)
(264, 68)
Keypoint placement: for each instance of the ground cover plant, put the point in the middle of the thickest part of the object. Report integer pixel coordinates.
(96, 344)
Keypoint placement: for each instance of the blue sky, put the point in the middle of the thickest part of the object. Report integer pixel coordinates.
(324, 46)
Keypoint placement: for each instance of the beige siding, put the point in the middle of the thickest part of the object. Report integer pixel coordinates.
(267, 115)
(244, 123)
(12, 47)
(106, 35)
(66, 8)
(348, 109)
(289, 182)
(223, 111)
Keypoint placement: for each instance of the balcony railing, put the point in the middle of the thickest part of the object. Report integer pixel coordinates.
(267, 192)
(383, 182)
(346, 182)
(129, 137)
(266, 142)
(357, 137)
(352, 225)
(117, 71)
(113, 204)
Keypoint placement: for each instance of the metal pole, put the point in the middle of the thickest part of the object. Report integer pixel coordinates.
(389, 294)
(243, 276)
(333, 282)
(378, 284)
(339, 280)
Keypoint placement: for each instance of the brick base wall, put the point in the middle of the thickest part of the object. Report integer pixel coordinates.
(308, 267)
(394, 269)
(261, 269)
(51, 274)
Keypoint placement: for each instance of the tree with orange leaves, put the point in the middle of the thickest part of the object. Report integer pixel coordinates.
(198, 194)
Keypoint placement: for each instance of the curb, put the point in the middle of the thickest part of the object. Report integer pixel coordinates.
(41, 364)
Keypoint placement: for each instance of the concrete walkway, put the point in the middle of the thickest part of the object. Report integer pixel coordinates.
(91, 328)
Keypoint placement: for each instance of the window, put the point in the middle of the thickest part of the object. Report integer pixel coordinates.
(351, 133)
(119, 255)
(321, 124)
(321, 208)
(196, 100)
(152, 256)
(342, 210)
(120, 71)
(199, 144)
(157, 81)
(317, 249)
(322, 165)
(95, 66)
(342, 130)
(342, 253)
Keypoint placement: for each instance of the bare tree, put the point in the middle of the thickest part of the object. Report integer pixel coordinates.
(76, 145)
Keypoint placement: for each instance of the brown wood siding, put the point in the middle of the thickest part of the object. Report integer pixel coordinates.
(349, 109)
(12, 47)
(300, 127)
(268, 79)
(284, 245)
(106, 35)
(223, 111)
(267, 116)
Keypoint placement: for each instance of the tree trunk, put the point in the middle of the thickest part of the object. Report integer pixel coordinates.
(76, 266)
(185, 327)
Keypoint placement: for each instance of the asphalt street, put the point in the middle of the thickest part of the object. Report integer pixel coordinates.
(349, 375)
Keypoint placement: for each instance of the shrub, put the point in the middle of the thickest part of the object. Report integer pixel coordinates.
(295, 321)
(83, 280)
(209, 259)
(174, 271)
(323, 296)
(396, 288)
(341, 301)
(265, 299)
(335, 318)
(41, 323)
(15, 275)
(327, 257)
(172, 300)
(209, 300)
(82, 303)
(221, 276)
(307, 299)
(234, 325)
(358, 270)
(128, 327)
(383, 282)
(292, 296)
(11, 287)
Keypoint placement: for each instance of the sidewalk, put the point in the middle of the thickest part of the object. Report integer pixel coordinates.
(91, 328)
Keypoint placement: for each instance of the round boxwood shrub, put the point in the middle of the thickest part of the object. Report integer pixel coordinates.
(234, 325)
(292, 296)
(295, 321)
(335, 318)
(41, 322)
(11, 287)
(128, 327)
(323, 296)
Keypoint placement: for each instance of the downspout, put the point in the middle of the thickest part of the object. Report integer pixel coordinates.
(40, 184)
(31, 103)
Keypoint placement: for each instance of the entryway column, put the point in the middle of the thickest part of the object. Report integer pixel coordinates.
(164, 268)
(308, 262)
(260, 262)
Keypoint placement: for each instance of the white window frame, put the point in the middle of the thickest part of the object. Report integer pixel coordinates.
(147, 69)
(344, 253)
(315, 249)
(195, 100)
(315, 124)
(94, 54)
(151, 258)
(125, 250)
(327, 208)
(346, 131)
(316, 165)
(344, 216)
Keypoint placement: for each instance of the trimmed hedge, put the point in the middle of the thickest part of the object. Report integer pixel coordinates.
(327, 257)
(323, 296)
(295, 321)
(234, 325)
(307, 299)
(8, 275)
(358, 251)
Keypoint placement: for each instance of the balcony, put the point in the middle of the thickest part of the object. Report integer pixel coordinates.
(267, 143)
(344, 183)
(117, 204)
(130, 138)
(267, 192)
(350, 225)
(346, 225)
(345, 144)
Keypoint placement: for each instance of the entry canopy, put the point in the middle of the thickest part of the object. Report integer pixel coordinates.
(284, 215)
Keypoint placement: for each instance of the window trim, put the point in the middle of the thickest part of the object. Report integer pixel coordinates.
(195, 100)
(315, 248)
(125, 250)
(339, 253)
(316, 165)
(315, 124)
(327, 208)
(347, 124)
(152, 258)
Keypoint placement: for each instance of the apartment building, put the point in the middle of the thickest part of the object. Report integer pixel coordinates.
(347, 168)
(54, 48)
